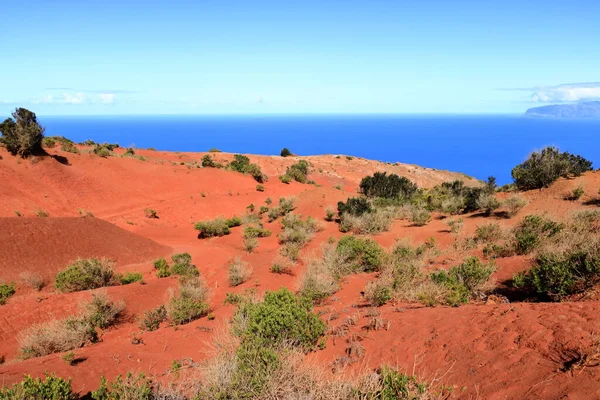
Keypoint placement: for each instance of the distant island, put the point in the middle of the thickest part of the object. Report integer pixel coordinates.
(589, 109)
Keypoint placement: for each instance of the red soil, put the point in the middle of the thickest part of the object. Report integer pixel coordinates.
(488, 351)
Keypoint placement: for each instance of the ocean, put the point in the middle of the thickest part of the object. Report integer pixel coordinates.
(479, 146)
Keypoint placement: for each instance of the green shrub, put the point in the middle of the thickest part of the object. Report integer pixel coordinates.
(162, 268)
(42, 214)
(464, 281)
(182, 265)
(286, 205)
(419, 216)
(260, 188)
(85, 274)
(354, 206)
(49, 142)
(242, 164)
(297, 172)
(532, 230)
(282, 318)
(256, 232)
(576, 193)
(6, 290)
(131, 277)
(102, 150)
(365, 254)
(153, 318)
(49, 388)
(69, 147)
(556, 275)
(285, 179)
(22, 134)
(387, 186)
(488, 233)
(250, 244)
(329, 214)
(212, 228)
(378, 293)
(542, 168)
(190, 303)
(129, 388)
(208, 162)
(487, 203)
(285, 152)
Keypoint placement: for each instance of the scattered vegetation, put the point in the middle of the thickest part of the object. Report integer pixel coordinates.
(297, 172)
(57, 336)
(465, 281)
(131, 277)
(208, 162)
(286, 206)
(514, 204)
(575, 194)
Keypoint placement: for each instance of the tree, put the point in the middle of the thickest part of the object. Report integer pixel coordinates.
(22, 134)
(387, 186)
(285, 152)
(542, 168)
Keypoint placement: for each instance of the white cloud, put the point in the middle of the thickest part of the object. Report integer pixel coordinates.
(569, 92)
(76, 98)
(107, 98)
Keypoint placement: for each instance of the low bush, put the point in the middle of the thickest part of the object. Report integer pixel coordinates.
(239, 272)
(487, 203)
(69, 147)
(329, 214)
(285, 179)
(216, 227)
(153, 318)
(556, 275)
(250, 244)
(181, 264)
(368, 223)
(378, 292)
(488, 233)
(130, 387)
(365, 254)
(387, 186)
(6, 290)
(49, 388)
(242, 164)
(189, 303)
(58, 336)
(150, 213)
(318, 282)
(356, 206)
(208, 162)
(286, 206)
(49, 142)
(256, 232)
(285, 152)
(260, 188)
(33, 280)
(298, 171)
(465, 281)
(419, 216)
(131, 277)
(575, 194)
(532, 231)
(85, 274)
(514, 204)
(103, 150)
(542, 168)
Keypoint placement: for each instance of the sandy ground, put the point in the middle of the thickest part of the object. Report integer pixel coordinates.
(485, 351)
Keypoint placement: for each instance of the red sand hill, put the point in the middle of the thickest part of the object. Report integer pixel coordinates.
(486, 351)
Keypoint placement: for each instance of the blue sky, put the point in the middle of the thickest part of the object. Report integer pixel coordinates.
(73, 57)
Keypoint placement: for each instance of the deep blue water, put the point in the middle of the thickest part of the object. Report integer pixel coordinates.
(476, 145)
